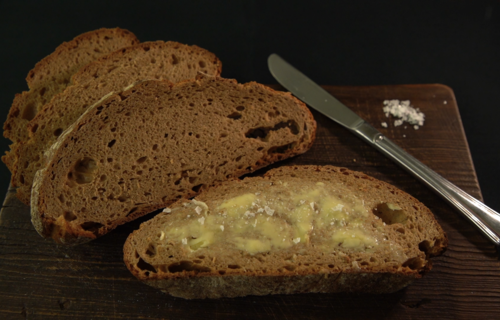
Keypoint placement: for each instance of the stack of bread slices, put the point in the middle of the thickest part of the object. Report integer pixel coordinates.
(112, 129)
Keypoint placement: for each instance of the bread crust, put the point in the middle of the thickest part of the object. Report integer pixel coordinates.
(205, 279)
(56, 203)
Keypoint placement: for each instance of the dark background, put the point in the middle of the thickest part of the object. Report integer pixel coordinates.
(452, 42)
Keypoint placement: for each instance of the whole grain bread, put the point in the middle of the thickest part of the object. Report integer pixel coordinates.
(171, 61)
(342, 231)
(53, 74)
(156, 142)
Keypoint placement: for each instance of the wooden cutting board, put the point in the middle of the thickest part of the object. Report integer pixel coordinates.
(41, 280)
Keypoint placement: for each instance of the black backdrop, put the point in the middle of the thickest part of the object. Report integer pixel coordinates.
(453, 42)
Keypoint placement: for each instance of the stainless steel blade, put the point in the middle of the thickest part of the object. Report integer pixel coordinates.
(306, 90)
(485, 218)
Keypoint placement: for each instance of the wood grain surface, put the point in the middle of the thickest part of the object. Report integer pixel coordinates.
(40, 280)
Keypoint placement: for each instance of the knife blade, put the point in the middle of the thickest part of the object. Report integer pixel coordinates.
(483, 217)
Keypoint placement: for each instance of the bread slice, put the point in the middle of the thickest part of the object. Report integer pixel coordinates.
(150, 60)
(298, 229)
(52, 75)
(157, 142)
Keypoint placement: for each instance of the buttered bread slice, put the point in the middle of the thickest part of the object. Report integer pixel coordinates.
(156, 142)
(297, 229)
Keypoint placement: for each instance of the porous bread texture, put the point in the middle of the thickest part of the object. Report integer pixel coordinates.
(52, 75)
(157, 142)
(171, 61)
(223, 270)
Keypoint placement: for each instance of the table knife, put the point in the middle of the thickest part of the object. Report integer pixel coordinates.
(483, 217)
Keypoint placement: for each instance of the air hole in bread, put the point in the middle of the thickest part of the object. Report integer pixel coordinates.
(123, 198)
(233, 266)
(234, 116)
(111, 143)
(390, 213)
(58, 132)
(400, 230)
(222, 272)
(281, 149)
(69, 216)
(151, 250)
(35, 128)
(144, 266)
(134, 209)
(103, 178)
(263, 132)
(91, 226)
(240, 108)
(202, 64)
(155, 147)
(29, 112)
(223, 135)
(290, 267)
(83, 171)
(197, 188)
(425, 246)
(187, 266)
(414, 263)
(175, 60)
(141, 159)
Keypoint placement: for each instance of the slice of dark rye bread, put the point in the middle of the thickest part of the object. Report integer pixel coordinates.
(144, 148)
(171, 61)
(298, 229)
(53, 73)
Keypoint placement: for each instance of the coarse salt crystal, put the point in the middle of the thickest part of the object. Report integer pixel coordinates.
(222, 227)
(296, 240)
(384, 124)
(201, 220)
(167, 210)
(197, 209)
(269, 211)
(404, 111)
(185, 241)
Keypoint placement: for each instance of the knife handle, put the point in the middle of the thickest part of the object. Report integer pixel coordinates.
(485, 218)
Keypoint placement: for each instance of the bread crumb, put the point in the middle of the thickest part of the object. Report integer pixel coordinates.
(167, 210)
(185, 241)
(445, 102)
(384, 124)
(222, 227)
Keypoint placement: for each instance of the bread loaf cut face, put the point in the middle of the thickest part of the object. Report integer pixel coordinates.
(52, 75)
(297, 229)
(171, 61)
(157, 142)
